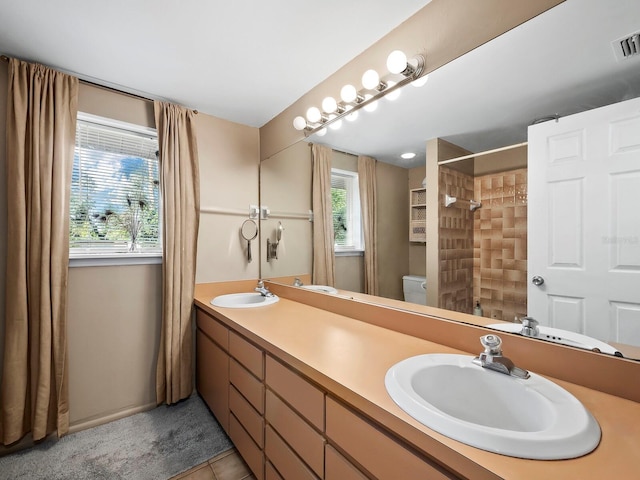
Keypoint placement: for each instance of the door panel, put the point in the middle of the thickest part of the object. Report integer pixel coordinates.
(584, 224)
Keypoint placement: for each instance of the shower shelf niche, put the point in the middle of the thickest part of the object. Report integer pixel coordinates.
(418, 215)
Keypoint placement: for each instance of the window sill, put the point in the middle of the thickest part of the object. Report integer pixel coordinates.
(114, 259)
(349, 253)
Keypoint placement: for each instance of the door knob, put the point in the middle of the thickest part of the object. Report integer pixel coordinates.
(537, 280)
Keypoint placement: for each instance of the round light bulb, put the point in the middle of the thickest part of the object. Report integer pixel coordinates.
(314, 115)
(421, 81)
(299, 123)
(397, 61)
(370, 107)
(329, 105)
(352, 116)
(408, 155)
(336, 125)
(348, 93)
(322, 132)
(393, 95)
(370, 79)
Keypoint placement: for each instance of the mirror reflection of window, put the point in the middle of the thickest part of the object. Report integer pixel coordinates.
(345, 205)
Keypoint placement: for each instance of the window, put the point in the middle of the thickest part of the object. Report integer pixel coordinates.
(115, 194)
(345, 205)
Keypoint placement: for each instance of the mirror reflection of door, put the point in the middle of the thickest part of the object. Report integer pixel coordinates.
(584, 235)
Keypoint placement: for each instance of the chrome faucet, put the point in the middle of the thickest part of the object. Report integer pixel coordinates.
(492, 358)
(262, 290)
(529, 327)
(297, 282)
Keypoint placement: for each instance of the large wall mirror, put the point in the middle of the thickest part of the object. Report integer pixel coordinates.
(559, 63)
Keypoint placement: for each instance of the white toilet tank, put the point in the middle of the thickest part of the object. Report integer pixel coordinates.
(415, 289)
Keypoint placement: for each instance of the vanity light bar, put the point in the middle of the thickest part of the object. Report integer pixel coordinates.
(374, 89)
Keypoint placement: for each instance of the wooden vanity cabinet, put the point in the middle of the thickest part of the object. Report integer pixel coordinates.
(246, 402)
(285, 426)
(212, 366)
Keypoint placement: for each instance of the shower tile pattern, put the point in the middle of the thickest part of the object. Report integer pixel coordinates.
(456, 242)
(500, 244)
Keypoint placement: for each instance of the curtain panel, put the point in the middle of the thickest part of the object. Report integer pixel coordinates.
(41, 123)
(180, 184)
(367, 188)
(323, 257)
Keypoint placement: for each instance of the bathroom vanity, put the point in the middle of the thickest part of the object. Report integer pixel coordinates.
(299, 387)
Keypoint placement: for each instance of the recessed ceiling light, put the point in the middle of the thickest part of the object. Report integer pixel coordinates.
(408, 155)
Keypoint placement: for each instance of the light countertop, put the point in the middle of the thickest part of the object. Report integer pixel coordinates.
(349, 359)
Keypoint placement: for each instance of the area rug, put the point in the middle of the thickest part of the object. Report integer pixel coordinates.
(157, 444)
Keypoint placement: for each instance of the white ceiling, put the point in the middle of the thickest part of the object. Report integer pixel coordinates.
(243, 61)
(561, 62)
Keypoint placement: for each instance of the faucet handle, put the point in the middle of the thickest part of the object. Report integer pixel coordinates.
(491, 344)
(529, 327)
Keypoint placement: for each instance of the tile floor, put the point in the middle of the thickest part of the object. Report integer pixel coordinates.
(225, 466)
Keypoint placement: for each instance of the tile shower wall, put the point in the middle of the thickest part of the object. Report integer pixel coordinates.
(500, 244)
(456, 242)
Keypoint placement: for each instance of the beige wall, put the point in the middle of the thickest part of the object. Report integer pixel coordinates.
(114, 311)
(350, 273)
(285, 187)
(229, 157)
(393, 228)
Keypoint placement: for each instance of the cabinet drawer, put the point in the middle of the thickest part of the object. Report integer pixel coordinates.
(271, 473)
(213, 328)
(306, 442)
(251, 420)
(248, 385)
(339, 468)
(249, 451)
(285, 461)
(380, 454)
(301, 395)
(249, 356)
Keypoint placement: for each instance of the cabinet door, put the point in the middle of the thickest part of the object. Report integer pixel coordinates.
(212, 377)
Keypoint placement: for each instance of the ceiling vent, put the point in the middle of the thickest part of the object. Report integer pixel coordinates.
(627, 47)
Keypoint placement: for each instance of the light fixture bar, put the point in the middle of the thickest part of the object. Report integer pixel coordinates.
(409, 77)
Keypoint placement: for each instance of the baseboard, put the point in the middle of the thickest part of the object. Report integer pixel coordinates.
(94, 422)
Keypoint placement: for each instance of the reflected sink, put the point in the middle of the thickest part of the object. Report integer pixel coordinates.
(532, 418)
(321, 288)
(564, 337)
(244, 300)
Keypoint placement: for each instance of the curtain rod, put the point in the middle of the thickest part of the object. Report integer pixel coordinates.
(336, 150)
(5, 59)
(473, 155)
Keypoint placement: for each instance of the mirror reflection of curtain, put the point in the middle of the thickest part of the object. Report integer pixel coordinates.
(41, 125)
(323, 256)
(367, 187)
(180, 182)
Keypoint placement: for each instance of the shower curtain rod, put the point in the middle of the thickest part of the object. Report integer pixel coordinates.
(473, 155)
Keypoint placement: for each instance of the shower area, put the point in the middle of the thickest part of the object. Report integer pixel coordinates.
(481, 230)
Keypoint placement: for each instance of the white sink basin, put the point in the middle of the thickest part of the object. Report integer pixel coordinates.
(557, 335)
(321, 288)
(532, 418)
(244, 300)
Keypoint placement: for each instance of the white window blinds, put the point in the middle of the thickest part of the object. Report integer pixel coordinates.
(115, 195)
(345, 204)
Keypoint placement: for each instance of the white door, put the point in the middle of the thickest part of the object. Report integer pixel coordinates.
(584, 223)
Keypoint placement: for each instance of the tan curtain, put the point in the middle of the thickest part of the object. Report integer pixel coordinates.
(367, 187)
(323, 257)
(41, 125)
(180, 185)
